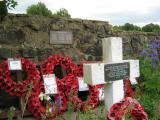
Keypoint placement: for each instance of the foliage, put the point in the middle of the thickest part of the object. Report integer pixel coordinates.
(130, 27)
(151, 103)
(3, 8)
(150, 76)
(11, 113)
(62, 13)
(151, 28)
(30, 86)
(150, 65)
(39, 9)
(11, 3)
(127, 27)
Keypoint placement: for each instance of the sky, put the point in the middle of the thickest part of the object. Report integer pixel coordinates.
(116, 12)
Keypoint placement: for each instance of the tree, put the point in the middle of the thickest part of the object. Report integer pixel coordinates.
(62, 13)
(7, 4)
(151, 28)
(11, 3)
(127, 27)
(39, 9)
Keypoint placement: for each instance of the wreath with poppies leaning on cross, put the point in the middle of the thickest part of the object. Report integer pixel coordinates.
(20, 88)
(127, 105)
(72, 90)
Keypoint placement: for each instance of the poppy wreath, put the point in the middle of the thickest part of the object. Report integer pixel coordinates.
(51, 110)
(20, 88)
(127, 105)
(71, 92)
(66, 63)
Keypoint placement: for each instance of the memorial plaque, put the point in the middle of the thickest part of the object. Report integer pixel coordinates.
(116, 71)
(14, 64)
(61, 37)
(50, 84)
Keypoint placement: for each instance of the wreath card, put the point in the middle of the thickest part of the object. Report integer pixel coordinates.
(50, 84)
(14, 64)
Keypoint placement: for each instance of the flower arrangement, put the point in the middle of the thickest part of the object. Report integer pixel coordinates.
(127, 105)
(20, 88)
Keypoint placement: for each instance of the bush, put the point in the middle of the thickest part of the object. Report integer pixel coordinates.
(62, 13)
(127, 27)
(39, 9)
(151, 28)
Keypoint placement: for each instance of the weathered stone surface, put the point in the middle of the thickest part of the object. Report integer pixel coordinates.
(28, 36)
(11, 36)
(5, 53)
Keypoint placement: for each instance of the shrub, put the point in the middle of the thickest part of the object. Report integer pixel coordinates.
(39, 9)
(62, 13)
(150, 65)
(151, 28)
(150, 76)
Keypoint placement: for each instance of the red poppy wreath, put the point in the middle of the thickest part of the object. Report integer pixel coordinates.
(20, 88)
(45, 106)
(66, 63)
(72, 90)
(127, 105)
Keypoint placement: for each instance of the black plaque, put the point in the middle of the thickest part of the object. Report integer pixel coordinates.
(116, 71)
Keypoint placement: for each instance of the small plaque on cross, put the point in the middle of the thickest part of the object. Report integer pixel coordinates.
(116, 71)
(50, 84)
(14, 64)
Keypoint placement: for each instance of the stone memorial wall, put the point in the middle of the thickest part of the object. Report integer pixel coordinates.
(30, 37)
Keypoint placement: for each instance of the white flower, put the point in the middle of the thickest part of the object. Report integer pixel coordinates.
(48, 98)
(41, 96)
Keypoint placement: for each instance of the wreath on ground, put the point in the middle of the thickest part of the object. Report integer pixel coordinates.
(72, 90)
(127, 105)
(67, 64)
(35, 105)
(44, 106)
(20, 88)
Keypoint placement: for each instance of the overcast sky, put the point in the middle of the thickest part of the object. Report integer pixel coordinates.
(117, 12)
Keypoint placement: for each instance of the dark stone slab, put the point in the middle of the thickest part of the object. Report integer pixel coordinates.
(116, 71)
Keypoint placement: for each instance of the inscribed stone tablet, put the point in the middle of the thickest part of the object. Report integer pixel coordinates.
(116, 71)
(50, 84)
(14, 64)
(61, 37)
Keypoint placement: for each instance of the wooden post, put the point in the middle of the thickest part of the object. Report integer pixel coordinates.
(21, 99)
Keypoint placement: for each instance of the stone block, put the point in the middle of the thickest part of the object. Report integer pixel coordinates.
(112, 49)
(94, 73)
(134, 70)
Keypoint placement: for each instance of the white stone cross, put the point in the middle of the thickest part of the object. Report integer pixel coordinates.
(95, 73)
